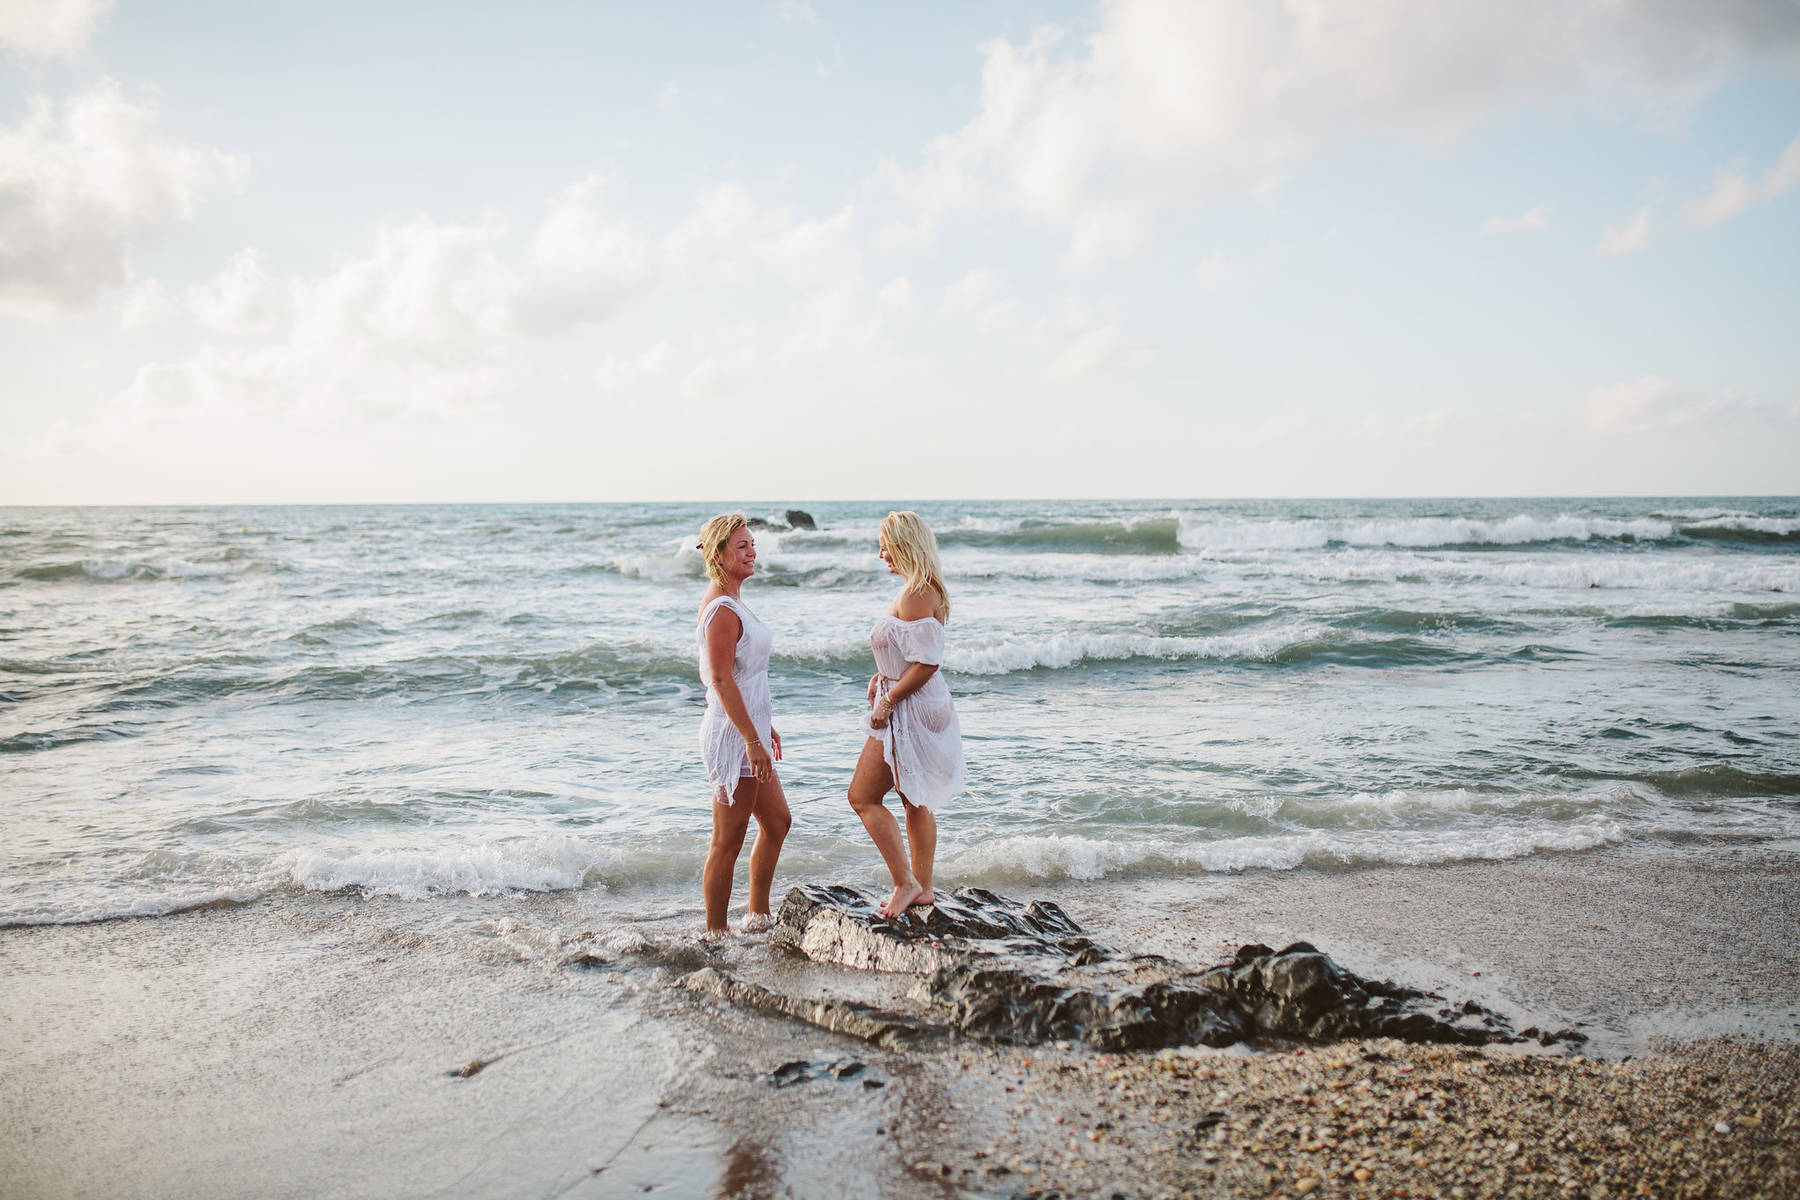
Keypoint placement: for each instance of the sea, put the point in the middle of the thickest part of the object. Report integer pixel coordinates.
(219, 705)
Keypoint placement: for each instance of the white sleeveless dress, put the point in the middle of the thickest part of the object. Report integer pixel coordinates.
(922, 741)
(722, 748)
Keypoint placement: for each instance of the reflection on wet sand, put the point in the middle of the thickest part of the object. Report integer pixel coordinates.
(751, 1169)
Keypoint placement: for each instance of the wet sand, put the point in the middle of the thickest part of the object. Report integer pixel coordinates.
(315, 1045)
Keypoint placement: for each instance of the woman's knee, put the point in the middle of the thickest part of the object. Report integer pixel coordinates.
(864, 800)
(727, 841)
(775, 825)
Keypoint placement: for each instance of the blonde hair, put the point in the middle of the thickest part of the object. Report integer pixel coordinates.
(713, 536)
(914, 549)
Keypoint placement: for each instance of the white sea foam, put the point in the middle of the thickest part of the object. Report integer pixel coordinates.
(1022, 858)
(480, 869)
(1776, 526)
(116, 904)
(1201, 533)
(1009, 654)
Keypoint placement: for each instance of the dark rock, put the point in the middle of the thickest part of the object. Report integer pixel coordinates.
(802, 1071)
(800, 520)
(996, 968)
(759, 523)
(839, 1016)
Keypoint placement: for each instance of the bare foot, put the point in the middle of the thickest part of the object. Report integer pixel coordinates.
(904, 897)
(924, 899)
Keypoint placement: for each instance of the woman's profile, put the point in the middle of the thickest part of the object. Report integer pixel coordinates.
(914, 743)
(738, 742)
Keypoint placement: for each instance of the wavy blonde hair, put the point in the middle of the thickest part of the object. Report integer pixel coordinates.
(713, 536)
(914, 549)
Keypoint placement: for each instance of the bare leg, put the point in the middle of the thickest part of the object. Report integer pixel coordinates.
(921, 839)
(729, 823)
(868, 787)
(772, 822)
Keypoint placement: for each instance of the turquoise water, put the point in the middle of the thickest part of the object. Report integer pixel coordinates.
(203, 705)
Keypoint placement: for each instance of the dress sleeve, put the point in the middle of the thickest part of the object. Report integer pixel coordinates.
(712, 610)
(922, 642)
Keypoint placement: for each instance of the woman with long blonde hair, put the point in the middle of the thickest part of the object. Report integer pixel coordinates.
(914, 744)
(738, 742)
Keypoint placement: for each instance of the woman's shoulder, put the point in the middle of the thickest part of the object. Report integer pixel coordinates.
(714, 598)
(918, 604)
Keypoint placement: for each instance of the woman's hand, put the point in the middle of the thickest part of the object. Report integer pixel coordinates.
(880, 711)
(761, 765)
(775, 742)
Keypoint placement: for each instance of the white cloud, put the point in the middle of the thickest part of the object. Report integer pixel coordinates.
(897, 296)
(1531, 220)
(1082, 347)
(50, 28)
(1734, 191)
(1414, 427)
(1172, 101)
(82, 189)
(1629, 236)
(239, 300)
(814, 253)
(793, 12)
(668, 94)
(632, 373)
(981, 294)
(432, 319)
(724, 215)
(1217, 271)
(582, 268)
(145, 305)
(1652, 404)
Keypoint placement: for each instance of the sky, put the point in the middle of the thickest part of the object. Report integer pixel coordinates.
(803, 250)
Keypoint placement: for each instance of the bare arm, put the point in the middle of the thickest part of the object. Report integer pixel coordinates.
(721, 655)
(912, 606)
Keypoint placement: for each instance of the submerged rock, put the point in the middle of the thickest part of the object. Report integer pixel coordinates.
(796, 519)
(995, 968)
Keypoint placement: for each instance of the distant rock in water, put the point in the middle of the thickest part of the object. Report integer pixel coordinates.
(991, 967)
(795, 520)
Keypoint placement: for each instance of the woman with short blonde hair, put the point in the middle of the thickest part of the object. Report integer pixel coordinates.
(914, 743)
(738, 742)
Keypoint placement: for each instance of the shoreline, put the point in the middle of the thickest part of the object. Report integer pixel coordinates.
(310, 1044)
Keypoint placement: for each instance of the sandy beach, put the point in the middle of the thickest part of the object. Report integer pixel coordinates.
(532, 1046)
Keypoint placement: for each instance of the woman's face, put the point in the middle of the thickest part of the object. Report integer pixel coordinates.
(737, 558)
(887, 556)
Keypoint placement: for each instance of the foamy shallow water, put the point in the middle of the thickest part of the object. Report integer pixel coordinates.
(205, 706)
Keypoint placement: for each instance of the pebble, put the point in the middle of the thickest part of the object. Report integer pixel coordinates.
(1465, 1125)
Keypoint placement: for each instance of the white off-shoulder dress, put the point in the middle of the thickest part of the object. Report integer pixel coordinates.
(922, 741)
(722, 748)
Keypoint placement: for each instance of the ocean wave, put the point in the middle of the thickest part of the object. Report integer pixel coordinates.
(1719, 779)
(1027, 858)
(1745, 529)
(1287, 646)
(551, 864)
(118, 908)
(30, 741)
(1574, 573)
(116, 570)
(1149, 535)
(1200, 533)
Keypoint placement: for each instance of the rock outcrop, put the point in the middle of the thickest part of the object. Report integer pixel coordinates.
(796, 519)
(991, 967)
